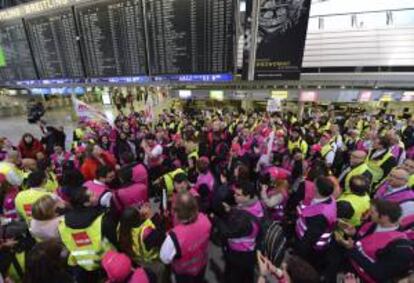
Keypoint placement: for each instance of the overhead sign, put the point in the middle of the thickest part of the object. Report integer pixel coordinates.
(365, 96)
(273, 105)
(281, 39)
(308, 96)
(217, 95)
(279, 94)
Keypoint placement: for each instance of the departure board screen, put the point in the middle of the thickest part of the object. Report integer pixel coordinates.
(190, 36)
(18, 62)
(113, 38)
(55, 47)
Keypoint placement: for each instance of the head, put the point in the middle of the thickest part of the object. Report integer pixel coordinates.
(105, 174)
(359, 185)
(79, 197)
(299, 270)
(382, 142)
(181, 182)
(398, 177)
(325, 187)
(57, 149)
(186, 208)
(44, 208)
(118, 266)
(203, 165)
(244, 192)
(45, 262)
(104, 139)
(37, 179)
(357, 157)
(72, 178)
(325, 138)
(385, 212)
(28, 138)
(408, 165)
(241, 172)
(13, 156)
(96, 151)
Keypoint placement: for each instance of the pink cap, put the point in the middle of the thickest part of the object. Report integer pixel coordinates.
(117, 266)
(316, 148)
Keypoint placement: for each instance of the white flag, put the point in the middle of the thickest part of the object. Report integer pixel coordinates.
(86, 111)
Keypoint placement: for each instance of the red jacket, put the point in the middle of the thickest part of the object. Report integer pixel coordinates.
(30, 152)
(91, 164)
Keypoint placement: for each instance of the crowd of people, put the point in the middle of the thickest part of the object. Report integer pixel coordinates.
(327, 198)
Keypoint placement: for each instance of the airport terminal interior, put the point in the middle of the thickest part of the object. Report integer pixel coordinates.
(192, 141)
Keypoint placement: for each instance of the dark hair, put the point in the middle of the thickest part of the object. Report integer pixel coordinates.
(325, 186)
(44, 263)
(127, 157)
(36, 178)
(247, 188)
(384, 141)
(78, 196)
(388, 208)
(300, 271)
(359, 185)
(130, 218)
(318, 169)
(180, 177)
(72, 178)
(102, 171)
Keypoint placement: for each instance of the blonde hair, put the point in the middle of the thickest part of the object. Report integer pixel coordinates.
(44, 208)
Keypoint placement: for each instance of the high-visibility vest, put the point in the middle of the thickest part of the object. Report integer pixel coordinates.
(193, 154)
(12, 271)
(301, 144)
(411, 181)
(51, 184)
(86, 246)
(7, 167)
(79, 133)
(326, 149)
(25, 200)
(142, 254)
(360, 204)
(169, 180)
(375, 167)
(357, 171)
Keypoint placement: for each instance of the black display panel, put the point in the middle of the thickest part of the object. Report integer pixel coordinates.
(54, 43)
(190, 36)
(18, 58)
(113, 38)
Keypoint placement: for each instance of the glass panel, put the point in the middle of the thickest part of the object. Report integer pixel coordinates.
(338, 23)
(403, 18)
(371, 20)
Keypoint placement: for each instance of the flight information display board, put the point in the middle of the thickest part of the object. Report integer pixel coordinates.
(19, 64)
(113, 38)
(55, 48)
(190, 36)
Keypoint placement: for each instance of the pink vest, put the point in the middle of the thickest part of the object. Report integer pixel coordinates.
(369, 247)
(278, 173)
(134, 194)
(255, 209)
(96, 189)
(207, 179)
(245, 244)
(399, 197)
(278, 211)
(9, 209)
(193, 241)
(58, 164)
(407, 225)
(396, 151)
(310, 190)
(327, 210)
(139, 276)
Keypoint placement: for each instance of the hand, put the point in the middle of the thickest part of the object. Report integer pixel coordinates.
(350, 278)
(347, 244)
(264, 187)
(262, 264)
(146, 211)
(227, 207)
(8, 243)
(347, 228)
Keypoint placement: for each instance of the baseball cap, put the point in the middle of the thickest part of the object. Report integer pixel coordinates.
(117, 266)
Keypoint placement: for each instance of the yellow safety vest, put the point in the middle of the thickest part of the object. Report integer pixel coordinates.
(411, 181)
(52, 184)
(7, 167)
(142, 255)
(25, 200)
(301, 144)
(360, 204)
(375, 167)
(86, 246)
(357, 171)
(169, 180)
(12, 271)
(79, 133)
(326, 149)
(193, 154)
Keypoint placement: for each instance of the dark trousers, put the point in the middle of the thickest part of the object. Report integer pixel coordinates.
(199, 278)
(239, 267)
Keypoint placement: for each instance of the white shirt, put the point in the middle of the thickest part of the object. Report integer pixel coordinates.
(13, 176)
(154, 153)
(329, 158)
(168, 250)
(385, 229)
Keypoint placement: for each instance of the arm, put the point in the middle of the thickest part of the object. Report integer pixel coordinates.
(272, 201)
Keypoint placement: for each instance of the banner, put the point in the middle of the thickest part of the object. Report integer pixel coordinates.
(273, 105)
(88, 112)
(281, 39)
